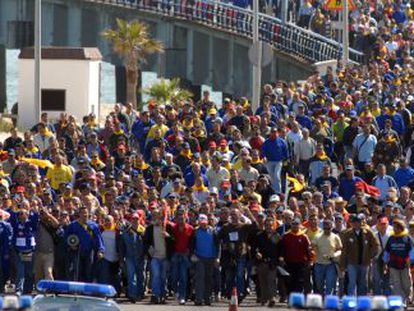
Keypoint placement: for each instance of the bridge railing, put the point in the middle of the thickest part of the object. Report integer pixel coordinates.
(285, 37)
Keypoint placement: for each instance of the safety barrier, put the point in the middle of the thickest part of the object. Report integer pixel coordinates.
(285, 37)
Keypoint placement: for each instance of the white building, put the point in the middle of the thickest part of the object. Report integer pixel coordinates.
(70, 82)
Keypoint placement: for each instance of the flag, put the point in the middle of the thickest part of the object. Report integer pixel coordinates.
(38, 162)
(368, 189)
(297, 185)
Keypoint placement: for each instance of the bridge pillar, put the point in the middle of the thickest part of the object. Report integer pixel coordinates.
(3, 93)
(210, 60)
(229, 88)
(190, 55)
(105, 23)
(74, 25)
(47, 24)
(165, 33)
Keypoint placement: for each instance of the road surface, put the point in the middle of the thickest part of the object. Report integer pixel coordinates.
(248, 304)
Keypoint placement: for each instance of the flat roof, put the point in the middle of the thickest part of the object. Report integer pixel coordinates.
(77, 53)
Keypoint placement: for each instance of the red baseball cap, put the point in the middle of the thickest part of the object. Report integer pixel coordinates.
(20, 189)
(212, 144)
(383, 220)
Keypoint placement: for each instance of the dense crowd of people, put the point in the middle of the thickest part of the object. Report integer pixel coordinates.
(310, 192)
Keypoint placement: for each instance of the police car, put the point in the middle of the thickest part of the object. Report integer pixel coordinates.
(74, 296)
(347, 303)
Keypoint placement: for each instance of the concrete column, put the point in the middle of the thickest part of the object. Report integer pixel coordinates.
(105, 23)
(74, 25)
(190, 54)
(4, 9)
(3, 93)
(47, 23)
(230, 85)
(210, 61)
(165, 34)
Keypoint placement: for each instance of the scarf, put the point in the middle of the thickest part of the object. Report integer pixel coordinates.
(200, 188)
(257, 161)
(118, 133)
(186, 153)
(33, 150)
(112, 227)
(390, 139)
(96, 162)
(143, 166)
(323, 156)
(403, 233)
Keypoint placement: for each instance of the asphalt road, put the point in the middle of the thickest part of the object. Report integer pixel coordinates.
(248, 304)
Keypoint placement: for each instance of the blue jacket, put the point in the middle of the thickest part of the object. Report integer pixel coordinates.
(347, 187)
(403, 176)
(399, 251)
(90, 238)
(305, 121)
(140, 131)
(132, 244)
(6, 236)
(275, 150)
(205, 243)
(24, 233)
(397, 122)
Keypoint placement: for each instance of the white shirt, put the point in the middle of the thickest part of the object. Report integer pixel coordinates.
(216, 177)
(365, 147)
(109, 239)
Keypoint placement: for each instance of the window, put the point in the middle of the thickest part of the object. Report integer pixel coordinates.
(53, 100)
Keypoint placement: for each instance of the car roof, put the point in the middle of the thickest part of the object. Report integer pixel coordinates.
(72, 303)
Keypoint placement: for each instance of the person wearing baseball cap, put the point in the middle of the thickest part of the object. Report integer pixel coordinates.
(382, 230)
(205, 256)
(360, 246)
(296, 253)
(398, 256)
(328, 247)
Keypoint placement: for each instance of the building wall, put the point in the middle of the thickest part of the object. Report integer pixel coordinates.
(80, 79)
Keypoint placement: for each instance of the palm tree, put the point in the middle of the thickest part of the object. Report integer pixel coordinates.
(168, 91)
(132, 42)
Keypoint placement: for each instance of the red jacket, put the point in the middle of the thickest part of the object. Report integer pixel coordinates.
(296, 247)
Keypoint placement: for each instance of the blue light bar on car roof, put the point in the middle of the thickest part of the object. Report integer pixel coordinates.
(297, 300)
(395, 303)
(349, 303)
(332, 302)
(364, 303)
(76, 288)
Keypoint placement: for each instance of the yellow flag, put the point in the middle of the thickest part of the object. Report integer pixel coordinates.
(38, 162)
(297, 185)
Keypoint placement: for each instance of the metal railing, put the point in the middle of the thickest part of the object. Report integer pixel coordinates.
(285, 37)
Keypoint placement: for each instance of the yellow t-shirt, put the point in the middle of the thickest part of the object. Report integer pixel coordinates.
(59, 175)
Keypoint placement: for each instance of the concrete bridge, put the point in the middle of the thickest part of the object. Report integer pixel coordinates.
(206, 42)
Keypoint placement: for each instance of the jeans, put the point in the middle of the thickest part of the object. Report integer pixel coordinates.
(358, 280)
(235, 276)
(275, 169)
(108, 273)
(24, 275)
(325, 278)
(135, 277)
(159, 269)
(180, 264)
(380, 281)
(203, 279)
(81, 266)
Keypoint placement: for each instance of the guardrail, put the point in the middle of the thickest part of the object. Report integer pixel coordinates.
(285, 37)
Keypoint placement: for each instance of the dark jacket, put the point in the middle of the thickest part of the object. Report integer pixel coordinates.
(149, 240)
